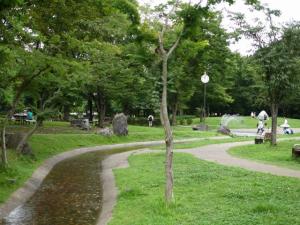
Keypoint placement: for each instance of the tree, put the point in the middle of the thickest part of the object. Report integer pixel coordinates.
(276, 57)
(177, 18)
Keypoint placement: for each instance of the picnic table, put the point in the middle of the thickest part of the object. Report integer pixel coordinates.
(20, 117)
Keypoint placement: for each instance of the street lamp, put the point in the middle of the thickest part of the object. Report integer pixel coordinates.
(204, 80)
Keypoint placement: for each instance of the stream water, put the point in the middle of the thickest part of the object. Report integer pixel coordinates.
(71, 194)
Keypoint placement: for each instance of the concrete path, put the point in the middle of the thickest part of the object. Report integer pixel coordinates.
(110, 191)
(218, 153)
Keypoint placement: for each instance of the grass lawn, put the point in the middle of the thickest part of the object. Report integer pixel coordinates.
(245, 122)
(280, 155)
(205, 193)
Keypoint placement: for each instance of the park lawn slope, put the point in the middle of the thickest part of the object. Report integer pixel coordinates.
(205, 193)
(280, 155)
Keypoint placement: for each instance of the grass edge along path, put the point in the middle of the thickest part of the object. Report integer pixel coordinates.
(205, 193)
(279, 155)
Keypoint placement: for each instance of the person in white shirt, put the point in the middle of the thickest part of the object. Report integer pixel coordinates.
(150, 120)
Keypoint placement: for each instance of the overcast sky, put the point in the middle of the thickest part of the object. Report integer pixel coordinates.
(289, 9)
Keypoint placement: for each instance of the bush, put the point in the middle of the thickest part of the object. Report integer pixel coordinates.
(189, 121)
(182, 121)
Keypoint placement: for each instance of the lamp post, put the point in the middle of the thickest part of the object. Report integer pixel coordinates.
(204, 80)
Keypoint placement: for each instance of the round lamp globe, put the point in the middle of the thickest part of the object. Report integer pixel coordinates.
(205, 78)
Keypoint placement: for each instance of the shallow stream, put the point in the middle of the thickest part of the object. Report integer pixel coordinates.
(71, 194)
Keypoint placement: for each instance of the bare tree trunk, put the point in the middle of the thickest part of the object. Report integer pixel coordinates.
(66, 116)
(274, 112)
(90, 108)
(164, 106)
(101, 108)
(27, 136)
(168, 133)
(3, 148)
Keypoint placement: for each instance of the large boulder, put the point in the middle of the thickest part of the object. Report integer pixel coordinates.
(200, 127)
(12, 141)
(224, 130)
(120, 126)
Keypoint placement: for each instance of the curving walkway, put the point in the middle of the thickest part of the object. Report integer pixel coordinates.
(218, 153)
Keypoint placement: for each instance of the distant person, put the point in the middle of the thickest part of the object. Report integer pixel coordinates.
(29, 115)
(150, 120)
(285, 123)
(286, 127)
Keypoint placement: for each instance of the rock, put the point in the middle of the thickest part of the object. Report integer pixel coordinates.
(224, 130)
(12, 141)
(105, 132)
(201, 127)
(120, 126)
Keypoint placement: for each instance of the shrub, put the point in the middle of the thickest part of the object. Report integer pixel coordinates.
(189, 121)
(182, 121)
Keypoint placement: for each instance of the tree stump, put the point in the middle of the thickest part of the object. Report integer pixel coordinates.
(296, 151)
(268, 137)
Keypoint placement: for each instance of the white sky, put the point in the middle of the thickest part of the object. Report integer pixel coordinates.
(289, 12)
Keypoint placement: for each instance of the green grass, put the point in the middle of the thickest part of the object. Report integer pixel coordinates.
(280, 155)
(244, 122)
(205, 193)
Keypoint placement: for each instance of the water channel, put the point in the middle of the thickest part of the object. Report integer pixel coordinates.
(71, 194)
